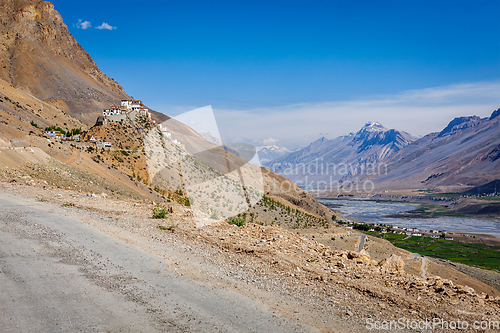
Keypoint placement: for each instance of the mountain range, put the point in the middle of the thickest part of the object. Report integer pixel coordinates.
(270, 153)
(334, 161)
(465, 153)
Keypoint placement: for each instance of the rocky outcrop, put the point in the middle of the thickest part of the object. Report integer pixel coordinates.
(39, 55)
(460, 123)
(393, 264)
(360, 257)
(495, 114)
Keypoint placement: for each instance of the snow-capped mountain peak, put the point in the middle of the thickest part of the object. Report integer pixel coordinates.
(372, 126)
(269, 153)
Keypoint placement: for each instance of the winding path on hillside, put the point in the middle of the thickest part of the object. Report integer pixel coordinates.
(362, 238)
(423, 265)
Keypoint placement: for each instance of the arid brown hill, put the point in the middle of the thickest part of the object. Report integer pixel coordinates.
(40, 56)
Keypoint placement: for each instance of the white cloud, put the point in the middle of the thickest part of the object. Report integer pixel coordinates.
(82, 24)
(105, 26)
(269, 142)
(418, 112)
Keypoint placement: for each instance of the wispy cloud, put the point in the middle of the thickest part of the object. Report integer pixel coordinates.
(269, 142)
(105, 26)
(82, 24)
(418, 112)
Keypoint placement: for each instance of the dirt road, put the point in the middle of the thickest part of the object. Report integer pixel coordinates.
(362, 238)
(58, 274)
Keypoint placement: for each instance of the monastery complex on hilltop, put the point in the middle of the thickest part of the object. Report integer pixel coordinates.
(126, 107)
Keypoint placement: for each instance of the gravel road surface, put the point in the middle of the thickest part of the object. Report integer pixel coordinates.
(58, 274)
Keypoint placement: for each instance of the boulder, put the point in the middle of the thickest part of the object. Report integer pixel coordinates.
(364, 256)
(466, 290)
(449, 293)
(360, 257)
(393, 264)
(447, 282)
(437, 283)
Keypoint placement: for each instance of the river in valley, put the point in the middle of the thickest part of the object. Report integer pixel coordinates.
(378, 212)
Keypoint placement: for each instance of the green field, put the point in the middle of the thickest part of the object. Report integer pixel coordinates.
(474, 254)
(460, 195)
(488, 198)
(447, 195)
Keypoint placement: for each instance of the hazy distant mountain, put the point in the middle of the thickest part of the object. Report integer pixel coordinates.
(342, 158)
(466, 152)
(270, 153)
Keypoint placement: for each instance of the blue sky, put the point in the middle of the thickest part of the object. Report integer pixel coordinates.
(257, 62)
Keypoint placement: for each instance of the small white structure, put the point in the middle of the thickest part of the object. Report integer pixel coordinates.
(127, 103)
(103, 144)
(55, 134)
(126, 107)
(144, 113)
(164, 131)
(135, 105)
(113, 111)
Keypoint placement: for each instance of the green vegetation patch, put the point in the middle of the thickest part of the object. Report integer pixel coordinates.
(473, 254)
(394, 236)
(236, 221)
(160, 212)
(287, 216)
(171, 228)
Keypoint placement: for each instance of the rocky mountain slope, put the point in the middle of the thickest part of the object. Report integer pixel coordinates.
(325, 162)
(492, 187)
(465, 153)
(22, 114)
(40, 56)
